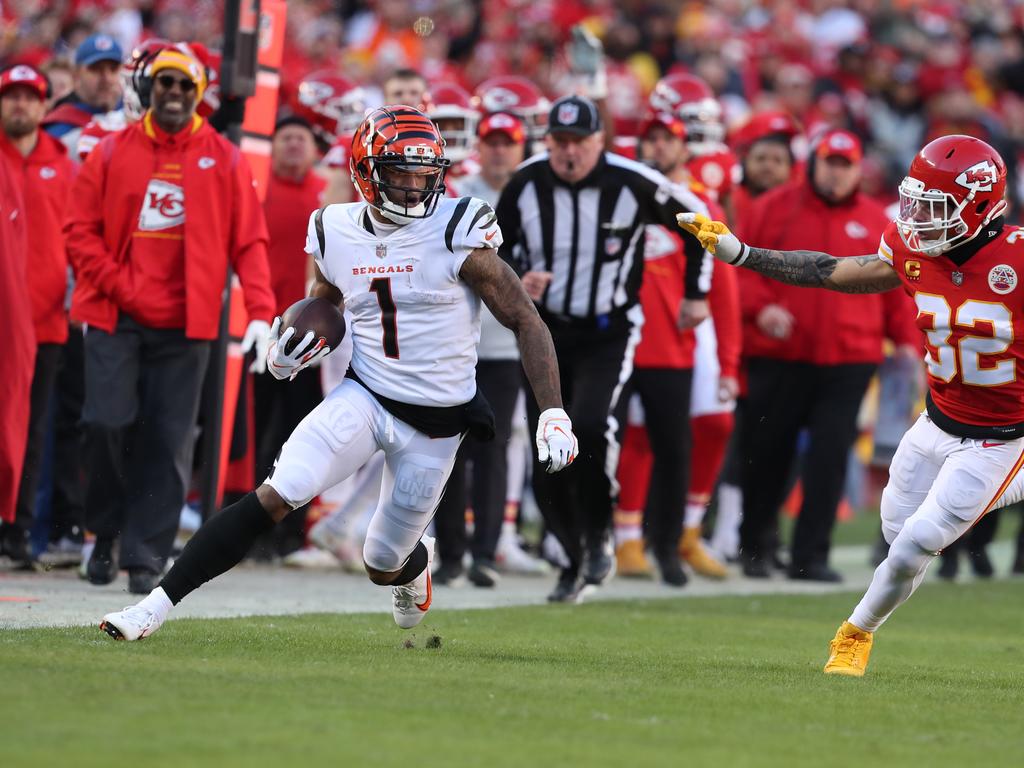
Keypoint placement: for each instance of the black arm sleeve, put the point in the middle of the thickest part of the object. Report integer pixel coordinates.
(509, 221)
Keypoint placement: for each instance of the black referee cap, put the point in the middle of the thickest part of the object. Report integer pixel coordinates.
(574, 114)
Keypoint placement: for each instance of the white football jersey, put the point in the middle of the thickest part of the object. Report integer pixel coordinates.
(415, 322)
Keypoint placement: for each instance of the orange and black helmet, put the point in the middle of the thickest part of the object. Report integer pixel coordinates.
(398, 140)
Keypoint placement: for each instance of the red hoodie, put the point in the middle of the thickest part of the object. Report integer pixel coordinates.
(128, 192)
(19, 342)
(829, 328)
(44, 178)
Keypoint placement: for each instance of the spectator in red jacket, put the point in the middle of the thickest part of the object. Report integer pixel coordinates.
(41, 168)
(157, 214)
(19, 344)
(811, 358)
(293, 191)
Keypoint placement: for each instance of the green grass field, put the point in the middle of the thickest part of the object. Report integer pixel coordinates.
(689, 682)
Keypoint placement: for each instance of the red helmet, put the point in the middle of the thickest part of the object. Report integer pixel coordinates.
(136, 83)
(691, 99)
(331, 104)
(393, 140)
(518, 96)
(450, 107)
(956, 185)
(210, 102)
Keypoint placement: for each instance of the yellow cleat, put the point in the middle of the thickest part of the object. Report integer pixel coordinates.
(697, 556)
(849, 651)
(631, 561)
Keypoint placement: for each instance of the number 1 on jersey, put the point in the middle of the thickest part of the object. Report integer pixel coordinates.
(388, 314)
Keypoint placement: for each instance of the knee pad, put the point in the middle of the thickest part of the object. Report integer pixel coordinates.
(380, 556)
(906, 554)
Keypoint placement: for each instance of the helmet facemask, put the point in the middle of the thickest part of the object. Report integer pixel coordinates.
(931, 221)
(392, 197)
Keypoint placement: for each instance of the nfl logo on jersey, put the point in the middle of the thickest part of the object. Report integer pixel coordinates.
(382, 250)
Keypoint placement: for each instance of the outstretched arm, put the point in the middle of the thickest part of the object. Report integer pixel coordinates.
(503, 293)
(855, 274)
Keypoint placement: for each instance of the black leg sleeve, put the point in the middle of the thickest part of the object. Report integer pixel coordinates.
(218, 546)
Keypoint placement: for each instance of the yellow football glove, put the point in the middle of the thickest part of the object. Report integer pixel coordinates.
(715, 237)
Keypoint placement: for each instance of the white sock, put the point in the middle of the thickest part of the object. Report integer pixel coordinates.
(891, 586)
(694, 515)
(157, 602)
(726, 537)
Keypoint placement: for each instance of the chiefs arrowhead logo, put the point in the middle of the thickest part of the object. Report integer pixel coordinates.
(979, 177)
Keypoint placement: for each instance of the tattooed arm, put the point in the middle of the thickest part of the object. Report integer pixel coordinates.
(503, 293)
(854, 274)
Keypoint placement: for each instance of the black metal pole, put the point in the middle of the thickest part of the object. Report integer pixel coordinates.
(213, 428)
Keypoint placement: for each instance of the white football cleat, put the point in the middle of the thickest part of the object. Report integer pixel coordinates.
(410, 602)
(330, 533)
(133, 623)
(512, 558)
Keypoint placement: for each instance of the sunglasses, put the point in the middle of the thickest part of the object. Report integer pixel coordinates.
(169, 81)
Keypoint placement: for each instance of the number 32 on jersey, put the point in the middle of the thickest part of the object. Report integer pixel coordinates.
(984, 329)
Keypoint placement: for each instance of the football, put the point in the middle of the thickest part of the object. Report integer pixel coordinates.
(314, 314)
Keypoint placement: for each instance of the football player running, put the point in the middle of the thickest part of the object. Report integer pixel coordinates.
(954, 255)
(411, 267)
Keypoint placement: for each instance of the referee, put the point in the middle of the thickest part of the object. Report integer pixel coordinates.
(573, 221)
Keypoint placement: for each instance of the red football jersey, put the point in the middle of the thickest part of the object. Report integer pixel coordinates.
(972, 317)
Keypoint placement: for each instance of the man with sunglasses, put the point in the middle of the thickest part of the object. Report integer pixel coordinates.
(158, 212)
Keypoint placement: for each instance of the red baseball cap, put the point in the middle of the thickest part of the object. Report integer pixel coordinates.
(839, 143)
(671, 123)
(23, 74)
(761, 125)
(503, 122)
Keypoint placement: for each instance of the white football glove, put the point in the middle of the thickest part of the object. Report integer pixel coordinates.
(287, 366)
(715, 237)
(257, 334)
(556, 444)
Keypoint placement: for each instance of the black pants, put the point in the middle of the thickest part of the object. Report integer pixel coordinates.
(43, 378)
(142, 388)
(577, 502)
(665, 396)
(67, 513)
(783, 399)
(279, 407)
(499, 381)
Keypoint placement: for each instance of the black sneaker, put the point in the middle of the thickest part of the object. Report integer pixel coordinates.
(671, 569)
(599, 563)
(1018, 563)
(567, 590)
(102, 567)
(755, 567)
(142, 581)
(817, 572)
(14, 544)
(483, 573)
(448, 575)
(981, 564)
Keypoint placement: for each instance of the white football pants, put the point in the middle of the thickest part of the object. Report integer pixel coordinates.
(939, 486)
(337, 438)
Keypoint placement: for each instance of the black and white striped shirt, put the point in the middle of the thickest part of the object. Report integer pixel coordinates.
(590, 235)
